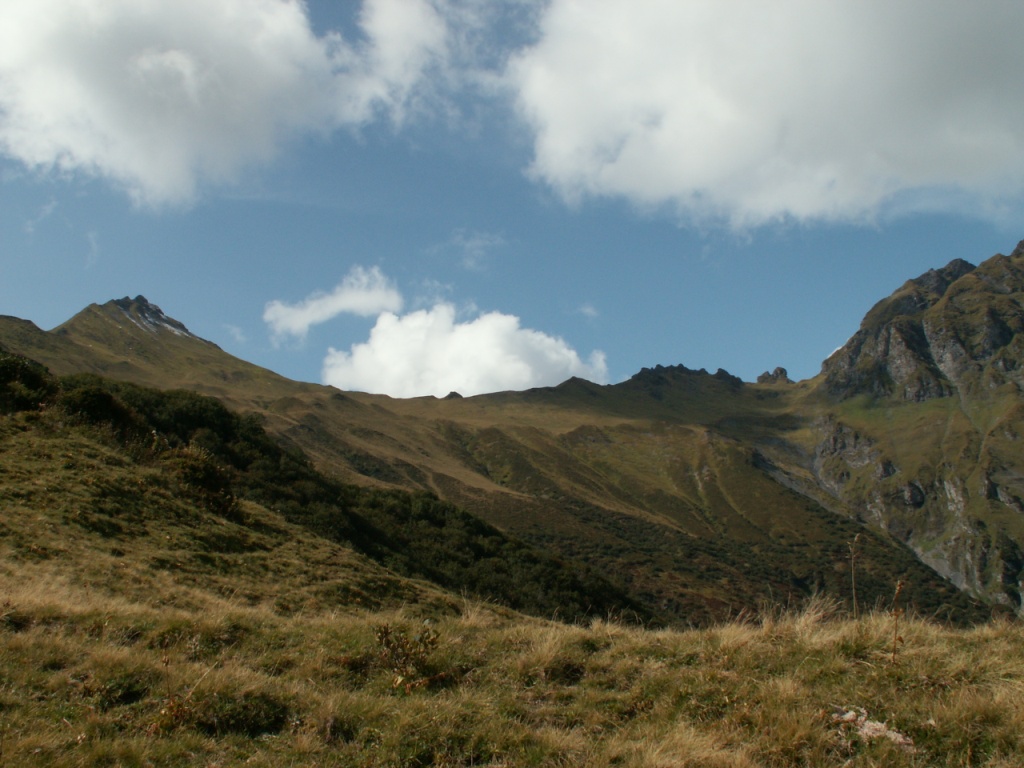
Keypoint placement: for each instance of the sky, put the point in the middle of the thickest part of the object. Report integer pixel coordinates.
(413, 197)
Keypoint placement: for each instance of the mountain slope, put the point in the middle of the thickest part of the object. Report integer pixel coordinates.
(138, 627)
(950, 330)
(926, 410)
(187, 468)
(702, 494)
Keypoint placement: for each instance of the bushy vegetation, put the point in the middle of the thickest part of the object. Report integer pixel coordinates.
(220, 458)
(24, 384)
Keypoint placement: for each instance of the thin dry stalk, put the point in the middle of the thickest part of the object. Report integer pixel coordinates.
(896, 611)
(854, 554)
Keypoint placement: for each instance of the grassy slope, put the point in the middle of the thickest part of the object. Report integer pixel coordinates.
(654, 481)
(956, 452)
(179, 445)
(142, 626)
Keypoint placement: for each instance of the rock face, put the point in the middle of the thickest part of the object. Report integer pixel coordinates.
(891, 353)
(778, 376)
(948, 331)
(946, 478)
(149, 317)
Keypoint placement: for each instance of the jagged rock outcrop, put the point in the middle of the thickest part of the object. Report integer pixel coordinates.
(950, 329)
(943, 518)
(952, 490)
(890, 354)
(779, 376)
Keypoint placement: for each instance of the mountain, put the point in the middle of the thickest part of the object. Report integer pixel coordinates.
(950, 331)
(176, 465)
(133, 340)
(179, 603)
(925, 415)
(697, 494)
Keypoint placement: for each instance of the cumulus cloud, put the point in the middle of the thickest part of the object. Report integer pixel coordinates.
(364, 292)
(430, 352)
(751, 111)
(160, 96)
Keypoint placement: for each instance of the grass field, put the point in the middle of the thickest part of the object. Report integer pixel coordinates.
(196, 595)
(139, 627)
(90, 679)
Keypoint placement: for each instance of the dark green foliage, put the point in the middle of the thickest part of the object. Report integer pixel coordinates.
(178, 418)
(95, 405)
(405, 655)
(197, 469)
(219, 457)
(418, 533)
(24, 383)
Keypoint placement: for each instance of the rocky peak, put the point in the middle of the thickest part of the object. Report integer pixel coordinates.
(936, 281)
(937, 334)
(149, 317)
(779, 376)
(662, 376)
(917, 295)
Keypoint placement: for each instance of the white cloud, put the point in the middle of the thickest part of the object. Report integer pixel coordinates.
(364, 292)
(752, 111)
(428, 352)
(406, 37)
(162, 95)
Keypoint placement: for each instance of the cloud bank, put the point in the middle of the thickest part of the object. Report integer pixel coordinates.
(364, 292)
(428, 352)
(744, 112)
(162, 95)
(750, 111)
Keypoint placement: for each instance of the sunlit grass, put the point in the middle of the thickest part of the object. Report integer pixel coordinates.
(139, 627)
(91, 681)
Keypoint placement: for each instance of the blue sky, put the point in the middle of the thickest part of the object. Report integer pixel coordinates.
(419, 196)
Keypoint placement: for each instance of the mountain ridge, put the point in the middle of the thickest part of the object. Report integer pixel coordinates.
(683, 482)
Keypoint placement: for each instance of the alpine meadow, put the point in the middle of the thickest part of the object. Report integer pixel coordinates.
(205, 563)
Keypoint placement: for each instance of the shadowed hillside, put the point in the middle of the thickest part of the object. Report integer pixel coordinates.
(179, 589)
(116, 463)
(702, 494)
(690, 523)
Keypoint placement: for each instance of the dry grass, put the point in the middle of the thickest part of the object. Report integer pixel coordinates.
(186, 640)
(95, 680)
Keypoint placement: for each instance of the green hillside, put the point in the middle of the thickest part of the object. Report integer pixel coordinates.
(670, 483)
(179, 590)
(136, 460)
(698, 494)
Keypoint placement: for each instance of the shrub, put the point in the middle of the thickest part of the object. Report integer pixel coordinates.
(24, 384)
(199, 472)
(95, 405)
